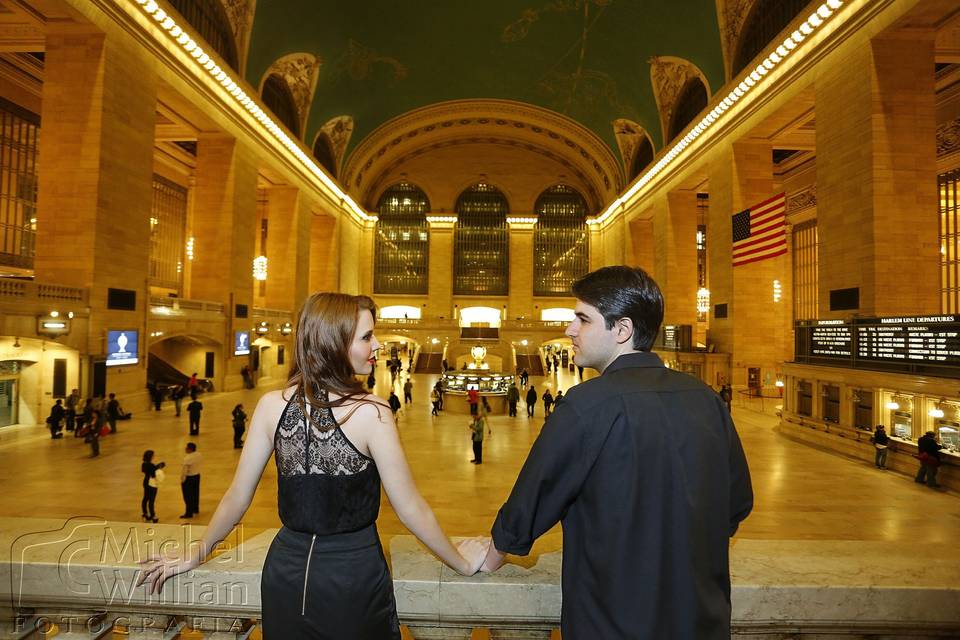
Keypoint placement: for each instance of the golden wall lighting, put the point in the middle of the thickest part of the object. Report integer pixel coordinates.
(190, 244)
(703, 300)
(777, 291)
(260, 268)
(813, 22)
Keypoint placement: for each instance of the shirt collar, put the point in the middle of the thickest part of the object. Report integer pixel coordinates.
(631, 360)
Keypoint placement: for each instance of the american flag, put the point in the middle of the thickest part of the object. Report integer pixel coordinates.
(760, 231)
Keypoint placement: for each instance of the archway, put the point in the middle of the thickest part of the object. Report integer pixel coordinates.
(173, 358)
(30, 369)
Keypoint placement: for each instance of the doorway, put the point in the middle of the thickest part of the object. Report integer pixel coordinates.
(8, 401)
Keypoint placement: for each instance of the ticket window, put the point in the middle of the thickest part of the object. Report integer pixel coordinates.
(949, 433)
(805, 398)
(902, 422)
(831, 403)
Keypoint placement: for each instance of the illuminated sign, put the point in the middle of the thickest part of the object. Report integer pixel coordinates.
(122, 347)
(241, 343)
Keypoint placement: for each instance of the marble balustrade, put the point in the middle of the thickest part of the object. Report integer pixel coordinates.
(79, 575)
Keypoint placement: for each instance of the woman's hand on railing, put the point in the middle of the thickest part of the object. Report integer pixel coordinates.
(155, 570)
(474, 551)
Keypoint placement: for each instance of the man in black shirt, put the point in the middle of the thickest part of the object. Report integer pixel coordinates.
(644, 469)
(193, 411)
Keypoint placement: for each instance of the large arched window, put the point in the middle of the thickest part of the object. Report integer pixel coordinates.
(481, 247)
(766, 20)
(642, 158)
(692, 101)
(561, 252)
(402, 251)
(323, 153)
(210, 20)
(278, 97)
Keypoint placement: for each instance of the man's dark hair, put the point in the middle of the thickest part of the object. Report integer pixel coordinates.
(191, 446)
(624, 292)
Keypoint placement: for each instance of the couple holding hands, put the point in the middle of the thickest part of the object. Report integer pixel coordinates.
(642, 465)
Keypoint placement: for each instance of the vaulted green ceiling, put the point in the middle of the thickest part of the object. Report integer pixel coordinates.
(587, 59)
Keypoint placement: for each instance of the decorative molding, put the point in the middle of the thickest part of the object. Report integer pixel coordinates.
(503, 121)
(630, 136)
(669, 75)
(948, 137)
(299, 71)
(240, 14)
(802, 199)
(338, 131)
(731, 15)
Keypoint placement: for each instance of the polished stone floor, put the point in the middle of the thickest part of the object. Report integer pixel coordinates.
(801, 492)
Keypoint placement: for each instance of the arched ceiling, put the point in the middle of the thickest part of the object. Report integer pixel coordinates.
(586, 59)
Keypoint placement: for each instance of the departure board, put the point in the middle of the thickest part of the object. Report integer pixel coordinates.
(918, 343)
(927, 340)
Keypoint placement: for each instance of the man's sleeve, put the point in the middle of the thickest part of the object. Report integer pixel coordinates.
(549, 481)
(741, 489)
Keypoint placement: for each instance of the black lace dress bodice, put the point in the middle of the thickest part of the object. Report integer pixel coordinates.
(325, 485)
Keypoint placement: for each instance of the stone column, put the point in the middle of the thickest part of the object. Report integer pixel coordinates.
(324, 253)
(288, 245)
(675, 257)
(351, 241)
(520, 300)
(94, 195)
(876, 177)
(753, 331)
(440, 274)
(224, 228)
(640, 243)
(365, 256)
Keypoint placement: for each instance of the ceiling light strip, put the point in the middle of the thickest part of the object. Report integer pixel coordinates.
(748, 85)
(225, 80)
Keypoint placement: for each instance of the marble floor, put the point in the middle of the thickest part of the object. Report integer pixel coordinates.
(801, 492)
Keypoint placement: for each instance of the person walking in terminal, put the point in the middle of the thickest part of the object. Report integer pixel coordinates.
(880, 442)
(151, 481)
(439, 388)
(394, 402)
(524, 378)
(91, 431)
(473, 398)
(531, 400)
(513, 397)
(113, 412)
(239, 426)
(176, 394)
(194, 409)
(928, 452)
(608, 464)
(547, 402)
(408, 391)
(435, 401)
(477, 425)
(325, 575)
(71, 405)
(190, 481)
(55, 419)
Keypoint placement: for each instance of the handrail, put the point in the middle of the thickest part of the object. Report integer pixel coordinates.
(81, 573)
(41, 291)
(166, 306)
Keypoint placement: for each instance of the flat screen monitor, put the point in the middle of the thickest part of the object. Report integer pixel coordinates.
(241, 343)
(122, 347)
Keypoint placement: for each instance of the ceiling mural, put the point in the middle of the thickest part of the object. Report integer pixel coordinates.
(585, 59)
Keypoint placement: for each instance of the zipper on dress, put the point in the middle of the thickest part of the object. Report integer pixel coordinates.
(306, 575)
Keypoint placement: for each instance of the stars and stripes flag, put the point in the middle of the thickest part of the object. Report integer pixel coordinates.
(760, 231)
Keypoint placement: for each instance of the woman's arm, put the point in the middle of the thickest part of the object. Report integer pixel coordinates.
(256, 453)
(413, 511)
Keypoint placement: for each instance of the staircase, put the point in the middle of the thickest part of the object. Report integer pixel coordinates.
(532, 363)
(429, 363)
(161, 372)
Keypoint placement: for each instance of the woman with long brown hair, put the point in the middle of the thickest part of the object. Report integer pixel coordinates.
(325, 575)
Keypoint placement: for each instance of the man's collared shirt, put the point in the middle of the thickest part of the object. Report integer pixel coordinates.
(645, 470)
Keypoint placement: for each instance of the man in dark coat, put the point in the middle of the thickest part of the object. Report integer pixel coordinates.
(645, 470)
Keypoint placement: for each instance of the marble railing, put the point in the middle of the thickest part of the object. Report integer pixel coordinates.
(78, 578)
(29, 290)
(177, 307)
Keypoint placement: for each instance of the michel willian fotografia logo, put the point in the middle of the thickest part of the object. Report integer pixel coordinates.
(80, 575)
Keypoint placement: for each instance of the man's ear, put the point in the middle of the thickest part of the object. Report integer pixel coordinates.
(623, 330)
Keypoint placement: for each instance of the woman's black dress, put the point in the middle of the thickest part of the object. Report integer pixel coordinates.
(325, 576)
